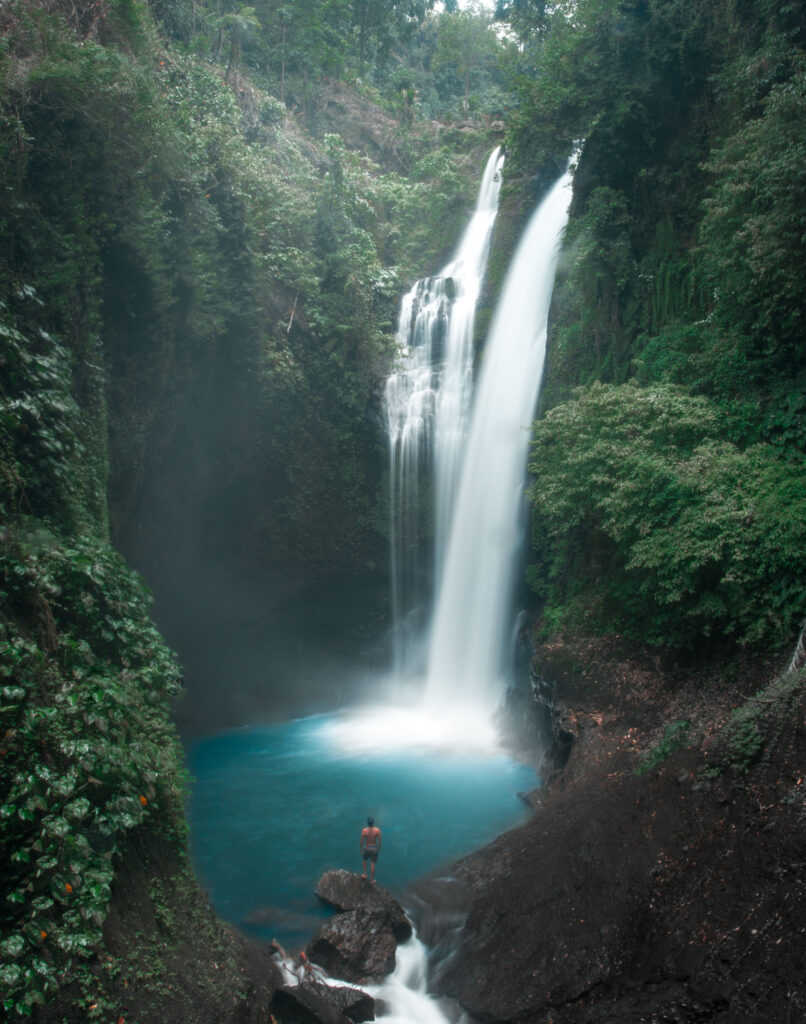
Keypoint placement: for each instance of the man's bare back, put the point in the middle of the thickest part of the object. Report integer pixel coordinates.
(370, 847)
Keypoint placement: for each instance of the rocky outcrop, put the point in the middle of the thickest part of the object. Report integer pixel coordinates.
(314, 1002)
(344, 890)
(635, 893)
(354, 1003)
(358, 943)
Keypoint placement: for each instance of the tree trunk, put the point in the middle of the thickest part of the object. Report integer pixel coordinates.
(362, 34)
(282, 67)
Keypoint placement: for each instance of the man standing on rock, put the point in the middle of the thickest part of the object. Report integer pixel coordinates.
(370, 847)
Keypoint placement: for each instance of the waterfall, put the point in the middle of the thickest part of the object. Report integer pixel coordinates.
(472, 614)
(427, 404)
(476, 506)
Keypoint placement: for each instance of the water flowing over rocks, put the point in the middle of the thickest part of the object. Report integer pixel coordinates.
(358, 943)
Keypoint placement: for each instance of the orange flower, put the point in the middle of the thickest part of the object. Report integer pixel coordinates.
(43, 935)
(68, 887)
(143, 801)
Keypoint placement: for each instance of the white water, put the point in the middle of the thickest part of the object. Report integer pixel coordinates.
(478, 519)
(467, 474)
(404, 993)
(472, 618)
(427, 404)
(467, 651)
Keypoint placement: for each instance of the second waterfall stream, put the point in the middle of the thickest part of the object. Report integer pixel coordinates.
(427, 402)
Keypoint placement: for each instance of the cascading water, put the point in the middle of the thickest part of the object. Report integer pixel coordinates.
(470, 629)
(468, 647)
(427, 404)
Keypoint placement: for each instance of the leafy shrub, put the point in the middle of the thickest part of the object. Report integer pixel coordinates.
(647, 525)
(754, 230)
(87, 750)
(38, 425)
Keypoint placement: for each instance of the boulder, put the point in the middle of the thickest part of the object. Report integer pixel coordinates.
(345, 890)
(358, 945)
(354, 1003)
(303, 1004)
(322, 1004)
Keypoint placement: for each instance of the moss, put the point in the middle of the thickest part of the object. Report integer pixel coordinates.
(675, 737)
(758, 727)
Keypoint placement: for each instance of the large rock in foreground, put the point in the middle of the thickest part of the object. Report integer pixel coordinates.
(303, 1005)
(354, 1003)
(358, 946)
(322, 1004)
(344, 890)
(359, 943)
(660, 896)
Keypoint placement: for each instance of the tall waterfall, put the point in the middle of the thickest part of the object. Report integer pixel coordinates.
(471, 624)
(427, 406)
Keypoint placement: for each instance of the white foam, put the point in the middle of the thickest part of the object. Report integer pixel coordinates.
(392, 729)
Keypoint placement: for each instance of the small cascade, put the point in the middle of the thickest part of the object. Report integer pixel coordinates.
(404, 993)
(427, 403)
(471, 625)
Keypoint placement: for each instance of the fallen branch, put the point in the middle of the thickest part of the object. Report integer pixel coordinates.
(291, 318)
(799, 657)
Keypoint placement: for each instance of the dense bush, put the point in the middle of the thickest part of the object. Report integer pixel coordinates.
(648, 523)
(754, 229)
(87, 753)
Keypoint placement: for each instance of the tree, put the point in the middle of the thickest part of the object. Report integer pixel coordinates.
(467, 43)
(381, 22)
(237, 25)
(754, 229)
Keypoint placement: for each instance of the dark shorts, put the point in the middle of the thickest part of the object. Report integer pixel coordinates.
(370, 853)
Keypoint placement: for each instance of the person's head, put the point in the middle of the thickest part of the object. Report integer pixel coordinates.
(370, 821)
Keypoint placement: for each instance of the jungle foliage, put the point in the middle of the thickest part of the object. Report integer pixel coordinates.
(209, 278)
(418, 61)
(654, 521)
(681, 289)
(197, 302)
(87, 752)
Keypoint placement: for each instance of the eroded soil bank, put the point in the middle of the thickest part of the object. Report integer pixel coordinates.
(678, 894)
